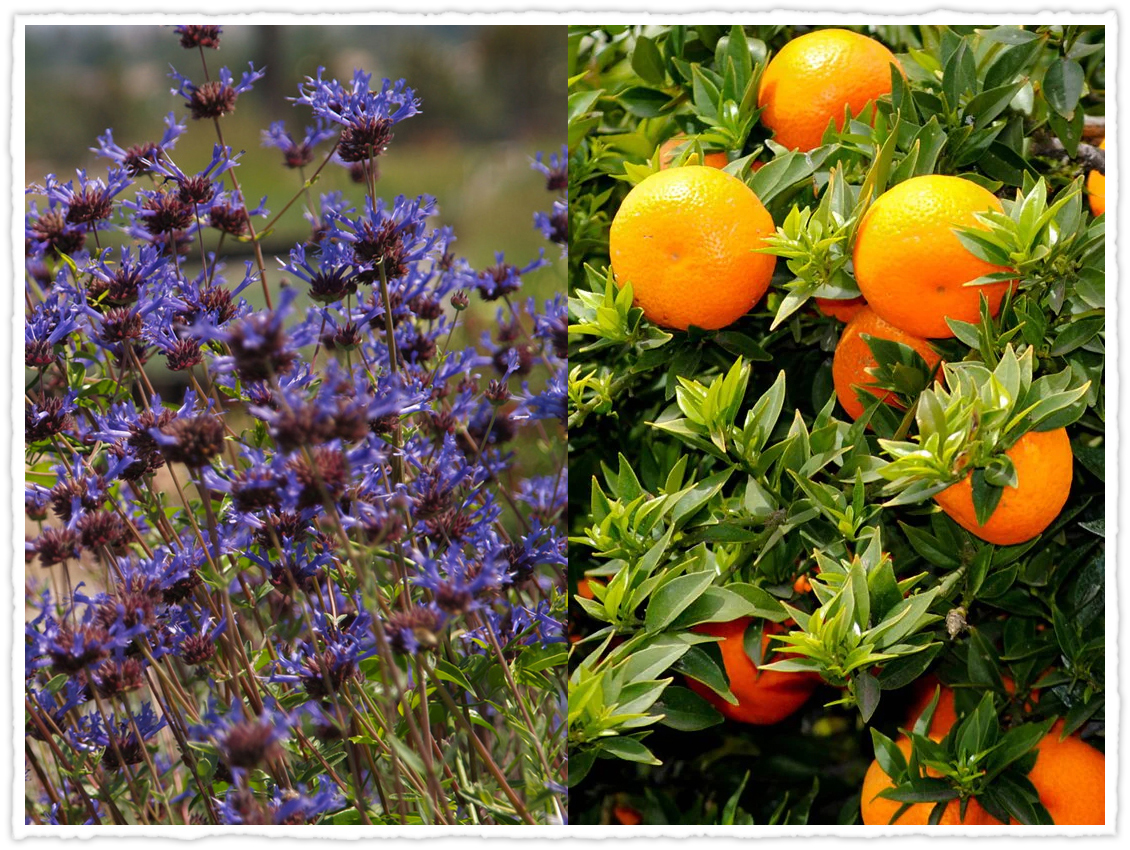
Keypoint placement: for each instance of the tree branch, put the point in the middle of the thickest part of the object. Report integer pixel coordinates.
(1089, 156)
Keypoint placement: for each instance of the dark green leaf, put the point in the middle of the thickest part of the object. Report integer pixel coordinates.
(704, 664)
(1063, 85)
(580, 763)
(960, 74)
(921, 790)
(986, 497)
(1077, 334)
(867, 694)
(931, 548)
(1016, 60)
(686, 711)
(983, 665)
(890, 757)
(1014, 744)
(990, 103)
(900, 672)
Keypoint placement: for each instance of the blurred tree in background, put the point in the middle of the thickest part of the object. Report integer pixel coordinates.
(492, 96)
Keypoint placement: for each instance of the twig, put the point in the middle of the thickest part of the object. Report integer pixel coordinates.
(1089, 156)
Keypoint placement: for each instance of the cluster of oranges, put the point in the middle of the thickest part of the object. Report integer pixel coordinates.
(1069, 775)
(685, 239)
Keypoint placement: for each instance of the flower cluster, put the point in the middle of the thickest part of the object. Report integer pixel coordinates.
(286, 548)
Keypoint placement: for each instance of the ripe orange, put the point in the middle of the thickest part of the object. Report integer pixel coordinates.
(840, 308)
(878, 811)
(685, 239)
(1071, 778)
(853, 358)
(1096, 188)
(1070, 775)
(1043, 462)
(945, 714)
(813, 77)
(764, 696)
(584, 591)
(909, 263)
(667, 154)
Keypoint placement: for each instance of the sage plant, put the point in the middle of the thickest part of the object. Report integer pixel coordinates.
(323, 584)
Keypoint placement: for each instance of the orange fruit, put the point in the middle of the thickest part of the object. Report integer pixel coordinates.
(945, 714)
(685, 240)
(1043, 463)
(627, 816)
(1071, 778)
(909, 263)
(1096, 188)
(764, 696)
(814, 77)
(853, 358)
(583, 589)
(668, 154)
(878, 811)
(843, 309)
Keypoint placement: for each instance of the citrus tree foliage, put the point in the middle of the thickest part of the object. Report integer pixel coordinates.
(715, 477)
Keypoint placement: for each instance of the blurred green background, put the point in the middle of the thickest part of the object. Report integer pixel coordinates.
(492, 96)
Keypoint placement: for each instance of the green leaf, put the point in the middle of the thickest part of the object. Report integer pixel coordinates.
(978, 730)
(1017, 59)
(762, 603)
(784, 172)
(704, 664)
(647, 61)
(1063, 85)
(960, 74)
(644, 102)
(1077, 334)
(989, 104)
(737, 50)
(580, 763)
(1014, 744)
(983, 664)
(581, 102)
(673, 598)
(731, 806)
(867, 694)
(986, 497)
(707, 98)
(715, 605)
(883, 589)
(921, 790)
(930, 548)
(628, 749)
(686, 711)
(648, 662)
(890, 757)
(448, 672)
(900, 672)
(1009, 35)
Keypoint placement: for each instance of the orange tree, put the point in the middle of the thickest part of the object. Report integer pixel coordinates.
(771, 586)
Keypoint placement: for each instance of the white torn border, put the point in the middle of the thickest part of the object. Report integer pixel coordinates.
(471, 12)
